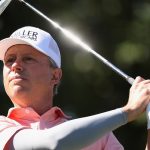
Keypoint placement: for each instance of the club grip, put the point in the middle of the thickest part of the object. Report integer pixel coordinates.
(130, 80)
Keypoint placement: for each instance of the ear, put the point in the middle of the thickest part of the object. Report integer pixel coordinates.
(56, 76)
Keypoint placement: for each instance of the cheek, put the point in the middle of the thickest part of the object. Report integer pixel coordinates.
(41, 75)
(5, 75)
(5, 80)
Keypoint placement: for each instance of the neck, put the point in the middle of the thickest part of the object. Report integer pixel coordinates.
(42, 110)
(39, 110)
(40, 105)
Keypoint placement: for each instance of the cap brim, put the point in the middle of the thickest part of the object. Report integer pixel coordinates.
(6, 43)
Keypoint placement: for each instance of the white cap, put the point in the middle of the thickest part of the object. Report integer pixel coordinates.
(35, 37)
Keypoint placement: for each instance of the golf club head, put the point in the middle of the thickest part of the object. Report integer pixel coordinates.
(3, 5)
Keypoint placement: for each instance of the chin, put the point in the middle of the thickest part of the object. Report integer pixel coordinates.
(18, 89)
(18, 92)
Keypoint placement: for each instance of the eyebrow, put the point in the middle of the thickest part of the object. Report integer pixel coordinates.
(7, 55)
(11, 54)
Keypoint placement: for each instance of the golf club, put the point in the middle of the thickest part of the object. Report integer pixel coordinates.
(71, 36)
(3, 5)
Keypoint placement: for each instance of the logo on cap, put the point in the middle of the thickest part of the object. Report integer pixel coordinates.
(26, 34)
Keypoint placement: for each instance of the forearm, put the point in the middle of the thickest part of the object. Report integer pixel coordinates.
(74, 134)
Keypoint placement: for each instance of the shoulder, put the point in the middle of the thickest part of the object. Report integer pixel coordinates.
(8, 128)
(7, 121)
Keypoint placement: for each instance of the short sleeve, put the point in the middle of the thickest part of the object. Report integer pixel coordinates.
(8, 128)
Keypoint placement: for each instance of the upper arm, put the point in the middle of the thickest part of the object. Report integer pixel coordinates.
(32, 139)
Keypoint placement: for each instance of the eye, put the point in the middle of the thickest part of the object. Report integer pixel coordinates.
(28, 59)
(9, 60)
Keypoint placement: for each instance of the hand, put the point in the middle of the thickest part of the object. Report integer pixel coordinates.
(139, 98)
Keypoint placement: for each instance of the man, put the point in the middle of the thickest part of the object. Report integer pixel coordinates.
(31, 72)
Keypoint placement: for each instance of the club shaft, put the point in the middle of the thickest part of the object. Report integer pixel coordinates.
(3, 5)
(113, 67)
(80, 43)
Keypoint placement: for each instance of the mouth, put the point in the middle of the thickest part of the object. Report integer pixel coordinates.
(16, 78)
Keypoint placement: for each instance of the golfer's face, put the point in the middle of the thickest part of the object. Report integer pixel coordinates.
(27, 74)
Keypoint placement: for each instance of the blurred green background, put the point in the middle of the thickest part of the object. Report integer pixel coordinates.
(117, 29)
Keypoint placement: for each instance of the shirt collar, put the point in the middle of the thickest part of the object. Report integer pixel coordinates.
(29, 114)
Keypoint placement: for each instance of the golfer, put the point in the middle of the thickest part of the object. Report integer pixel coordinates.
(31, 74)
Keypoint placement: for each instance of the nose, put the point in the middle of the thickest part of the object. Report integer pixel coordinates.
(17, 66)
